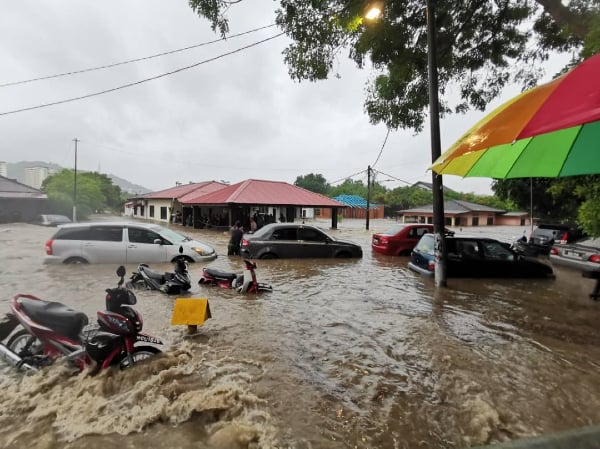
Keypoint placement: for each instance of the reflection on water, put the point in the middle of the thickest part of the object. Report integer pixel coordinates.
(342, 354)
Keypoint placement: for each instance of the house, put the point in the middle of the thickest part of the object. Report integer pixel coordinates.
(266, 200)
(356, 207)
(20, 202)
(458, 213)
(166, 205)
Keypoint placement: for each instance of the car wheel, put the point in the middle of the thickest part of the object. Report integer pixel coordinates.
(268, 256)
(343, 255)
(75, 260)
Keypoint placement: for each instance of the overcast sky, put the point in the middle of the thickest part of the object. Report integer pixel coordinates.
(237, 117)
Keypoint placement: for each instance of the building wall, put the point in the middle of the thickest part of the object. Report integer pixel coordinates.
(376, 211)
(35, 176)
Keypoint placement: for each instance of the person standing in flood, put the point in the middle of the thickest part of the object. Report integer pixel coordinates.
(237, 232)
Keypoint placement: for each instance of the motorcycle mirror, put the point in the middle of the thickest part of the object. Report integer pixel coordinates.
(121, 271)
(180, 249)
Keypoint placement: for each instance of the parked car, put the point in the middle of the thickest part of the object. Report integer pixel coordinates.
(584, 255)
(288, 240)
(123, 242)
(477, 257)
(399, 239)
(546, 235)
(51, 220)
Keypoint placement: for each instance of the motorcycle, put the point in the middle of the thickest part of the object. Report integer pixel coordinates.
(52, 330)
(243, 283)
(169, 283)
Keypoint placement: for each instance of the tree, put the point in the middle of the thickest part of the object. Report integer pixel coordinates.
(313, 182)
(483, 46)
(95, 191)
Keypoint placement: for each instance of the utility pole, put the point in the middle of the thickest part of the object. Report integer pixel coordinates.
(436, 150)
(75, 184)
(368, 193)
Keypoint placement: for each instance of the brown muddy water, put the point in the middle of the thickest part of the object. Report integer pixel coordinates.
(342, 354)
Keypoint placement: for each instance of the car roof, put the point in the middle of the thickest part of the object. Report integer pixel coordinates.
(109, 223)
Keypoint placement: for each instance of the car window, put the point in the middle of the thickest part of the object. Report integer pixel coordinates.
(284, 234)
(106, 233)
(425, 245)
(74, 234)
(393, 230)
(468, 249)
(496, 251)
(137, 235)
(312, 235)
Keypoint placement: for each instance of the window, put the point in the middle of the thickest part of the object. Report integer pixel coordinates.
(312, 235)
(163, 213)
(284, 234)
(106, 233)
(151, 211)
(73, 234)
(137, 235)
(495, 251)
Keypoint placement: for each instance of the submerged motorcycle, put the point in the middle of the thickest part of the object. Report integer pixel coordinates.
(52, 330)
(243, 283)
(170, 283)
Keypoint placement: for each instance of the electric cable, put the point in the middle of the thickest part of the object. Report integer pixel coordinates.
(382, 147)
(124, 86)
(116, 64)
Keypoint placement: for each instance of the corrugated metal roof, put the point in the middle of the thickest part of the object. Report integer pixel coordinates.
(354, 201)
(181, 191)
(456, 207)
(255, 191)
(11, 188)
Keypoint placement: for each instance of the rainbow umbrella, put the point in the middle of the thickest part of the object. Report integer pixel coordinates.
(551, 130)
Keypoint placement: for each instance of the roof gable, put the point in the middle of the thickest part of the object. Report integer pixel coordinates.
(10, 188)
(181, 191)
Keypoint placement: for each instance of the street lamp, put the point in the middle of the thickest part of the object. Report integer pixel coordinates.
(436, 149)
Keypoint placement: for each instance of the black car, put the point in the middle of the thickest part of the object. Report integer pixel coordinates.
(477, 257)
(288, 240)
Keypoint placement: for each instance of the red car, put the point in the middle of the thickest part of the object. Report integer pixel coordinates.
(399, 239)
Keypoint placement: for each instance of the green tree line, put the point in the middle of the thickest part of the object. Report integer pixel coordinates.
(95, 192)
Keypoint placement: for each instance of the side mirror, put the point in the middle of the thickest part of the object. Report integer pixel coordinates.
(158, 241)
(121, 271)
(180, 249)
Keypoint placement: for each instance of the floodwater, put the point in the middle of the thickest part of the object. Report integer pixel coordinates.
(342, 354)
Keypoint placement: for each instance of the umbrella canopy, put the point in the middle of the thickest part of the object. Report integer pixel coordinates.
(549, 131)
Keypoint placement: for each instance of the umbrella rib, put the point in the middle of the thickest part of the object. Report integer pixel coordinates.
(570, 149)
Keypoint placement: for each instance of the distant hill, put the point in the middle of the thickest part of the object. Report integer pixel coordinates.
(16, 171)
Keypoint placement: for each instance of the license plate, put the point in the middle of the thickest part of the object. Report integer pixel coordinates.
(573, 254)
(148, 339)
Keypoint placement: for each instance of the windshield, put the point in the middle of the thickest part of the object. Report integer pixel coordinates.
(425, 245)
(170, 235)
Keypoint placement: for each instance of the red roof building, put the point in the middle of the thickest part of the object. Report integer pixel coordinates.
(216, 204)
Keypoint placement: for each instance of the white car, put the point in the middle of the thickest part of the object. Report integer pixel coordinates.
(123, 243)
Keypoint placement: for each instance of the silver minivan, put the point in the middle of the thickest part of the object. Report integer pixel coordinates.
(123, 242)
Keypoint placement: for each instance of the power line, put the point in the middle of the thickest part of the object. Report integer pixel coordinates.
(95, 94)
(346, 177)
(382, 147)
(116, 64)
(393, 177)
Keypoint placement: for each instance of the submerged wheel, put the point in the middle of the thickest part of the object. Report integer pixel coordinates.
(268, 256)
(75, 260)
(139, 353)
(24, 344)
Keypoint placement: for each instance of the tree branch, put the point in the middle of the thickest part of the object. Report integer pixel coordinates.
(564, 17)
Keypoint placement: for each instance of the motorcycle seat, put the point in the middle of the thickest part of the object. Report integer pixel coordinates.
(218, 274)
(56, 316)
(159, 277)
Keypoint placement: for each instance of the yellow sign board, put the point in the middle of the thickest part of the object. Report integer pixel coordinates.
(191, 311)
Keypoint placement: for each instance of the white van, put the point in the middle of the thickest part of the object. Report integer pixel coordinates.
(123, 242)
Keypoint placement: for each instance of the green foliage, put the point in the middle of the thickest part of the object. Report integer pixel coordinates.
(482, 46)
(94, 192)
(313, 182)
